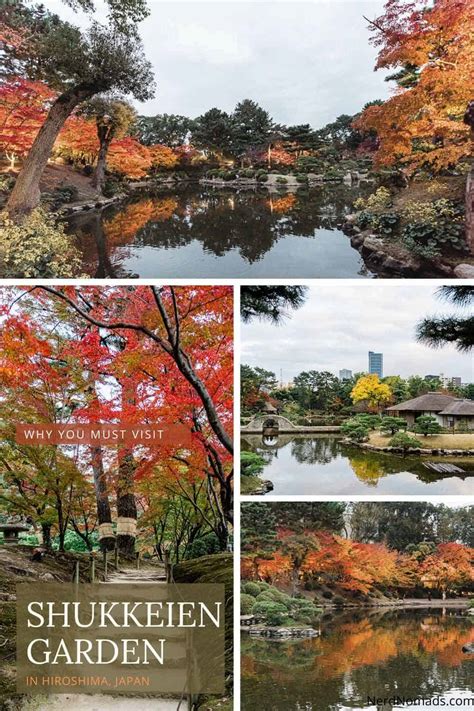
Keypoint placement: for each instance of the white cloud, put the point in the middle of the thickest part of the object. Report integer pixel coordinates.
(201, 44)
(340, 323)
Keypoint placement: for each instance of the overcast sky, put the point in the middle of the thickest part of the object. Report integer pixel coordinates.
(305, 62)
(339, 324)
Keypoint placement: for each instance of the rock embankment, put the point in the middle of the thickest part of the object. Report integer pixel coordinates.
(434, 451)
(385, 258)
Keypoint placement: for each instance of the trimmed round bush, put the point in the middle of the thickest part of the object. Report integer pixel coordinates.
(246, 604)
(251, 589)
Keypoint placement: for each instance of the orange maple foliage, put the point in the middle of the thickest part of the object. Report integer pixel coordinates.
(163, 157)
(422, 123)
(449, 567)
(23, 108)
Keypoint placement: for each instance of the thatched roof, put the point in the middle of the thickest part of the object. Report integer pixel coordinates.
(460, 407)
(268, 407)
(431, 402)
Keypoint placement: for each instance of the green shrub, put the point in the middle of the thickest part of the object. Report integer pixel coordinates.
(300, 178)
(371, 422)
(427, 425)
(262, 177)
(38, 248)
(404, 441)
(207, 545)
(266, 595)
(274, 612)
(66, 193)
(309, 164)
(251, 464)
(112, 187)
(333, 174)
(433, 227)
(282, 181)
(246, 604)
(248, 173)
(364, 218)
(251, 589)
(387, 223)
(391, 425)
(230, 175)
(355, 431)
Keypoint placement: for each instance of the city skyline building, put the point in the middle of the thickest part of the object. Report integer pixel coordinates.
(376, 363)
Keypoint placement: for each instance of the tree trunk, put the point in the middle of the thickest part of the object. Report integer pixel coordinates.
(46, 531)
(26, 193)
(104, 515)
(98, 177)
(126, 506)
(105, 136)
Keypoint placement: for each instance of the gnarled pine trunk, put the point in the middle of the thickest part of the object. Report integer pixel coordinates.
(26, 193)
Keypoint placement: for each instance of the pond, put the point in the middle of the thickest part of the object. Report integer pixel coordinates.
(218, 233)
(408, 653)
(322, 464)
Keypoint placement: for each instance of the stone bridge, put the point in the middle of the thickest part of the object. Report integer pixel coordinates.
(280, 424)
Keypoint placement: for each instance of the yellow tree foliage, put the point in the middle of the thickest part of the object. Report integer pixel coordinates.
(432, 47)
(371, 390)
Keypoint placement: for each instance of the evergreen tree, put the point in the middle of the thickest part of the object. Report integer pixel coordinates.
(270, 302)
(252, 127)
(212, 131)
(455, 329)
(164, 129)
(258, 527)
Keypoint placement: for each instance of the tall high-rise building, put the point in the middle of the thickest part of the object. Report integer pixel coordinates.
(345, 374)
(376, 363)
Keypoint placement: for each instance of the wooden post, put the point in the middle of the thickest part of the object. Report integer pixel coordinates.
(116, 557)
(138, 560)
(105, 564)
(92, 569)
(76, 573)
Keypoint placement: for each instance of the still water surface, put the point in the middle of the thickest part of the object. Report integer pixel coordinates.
(204, 232)
(405, 653)
(322, 464)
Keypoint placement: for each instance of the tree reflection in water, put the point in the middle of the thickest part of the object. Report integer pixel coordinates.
(405, 653)
(312, 455)
(250, 221)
